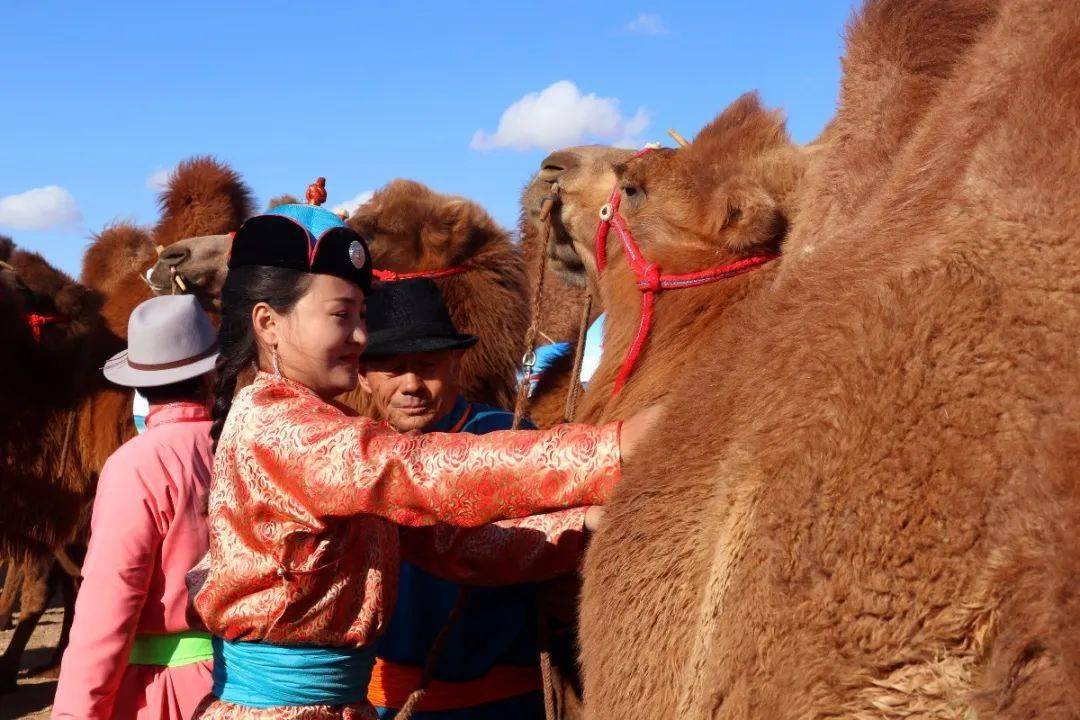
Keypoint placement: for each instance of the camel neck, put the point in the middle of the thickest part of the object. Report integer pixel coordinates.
(685, 322)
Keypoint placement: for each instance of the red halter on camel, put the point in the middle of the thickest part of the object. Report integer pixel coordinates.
(37, 321)
(650, 278)
(391, 276)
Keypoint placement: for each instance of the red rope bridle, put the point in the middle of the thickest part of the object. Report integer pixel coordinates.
(391, 276)
(650, 278)
(37, 321)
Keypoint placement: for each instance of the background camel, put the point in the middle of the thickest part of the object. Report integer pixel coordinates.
(84, 419)
(46, 352)
(873, 513)
(411, 228)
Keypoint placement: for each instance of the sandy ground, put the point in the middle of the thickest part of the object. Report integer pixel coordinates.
(35, 694)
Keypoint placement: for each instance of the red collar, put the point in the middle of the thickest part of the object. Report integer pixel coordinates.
(650, 278)
(391, 276)
(176, 412)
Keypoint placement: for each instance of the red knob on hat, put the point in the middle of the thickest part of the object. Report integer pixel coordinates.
(316, 192)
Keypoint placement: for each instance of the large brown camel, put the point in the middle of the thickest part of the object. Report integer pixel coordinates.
(414, 229)
(863, 501)
(745, 148)
(85, 425)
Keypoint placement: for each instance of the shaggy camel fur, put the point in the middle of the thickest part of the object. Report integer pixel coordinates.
(203, 196)
(874, 512)
(412, 228)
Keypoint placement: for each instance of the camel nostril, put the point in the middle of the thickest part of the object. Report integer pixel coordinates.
(556, 164)
(173, 256)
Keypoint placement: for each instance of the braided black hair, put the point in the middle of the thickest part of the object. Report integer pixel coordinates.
(244, 288)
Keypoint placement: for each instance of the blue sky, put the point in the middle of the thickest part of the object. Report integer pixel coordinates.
(96, 98)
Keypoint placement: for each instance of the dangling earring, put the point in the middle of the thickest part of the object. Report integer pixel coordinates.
(274, 361)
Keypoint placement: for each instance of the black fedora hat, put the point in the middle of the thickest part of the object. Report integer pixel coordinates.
(409, 316)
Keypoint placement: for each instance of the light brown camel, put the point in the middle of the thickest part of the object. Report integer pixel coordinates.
(88, 424)
(412, 228)
(746, 145)
(863, 502)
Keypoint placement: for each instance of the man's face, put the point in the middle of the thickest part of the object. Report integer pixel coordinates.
(413, 391)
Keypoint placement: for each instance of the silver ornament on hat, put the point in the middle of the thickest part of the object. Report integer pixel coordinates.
(357, 256)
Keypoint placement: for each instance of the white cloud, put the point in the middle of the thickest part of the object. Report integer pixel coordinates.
(647, 24)
(158, 180)
(561, 115)
(43, 208)
(350, 205)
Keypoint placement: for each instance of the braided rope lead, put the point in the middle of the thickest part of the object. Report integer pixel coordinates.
(573, 390)
(528, 360)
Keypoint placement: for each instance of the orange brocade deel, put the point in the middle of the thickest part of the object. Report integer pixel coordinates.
(307, 499)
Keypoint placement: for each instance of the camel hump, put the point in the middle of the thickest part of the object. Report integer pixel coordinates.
(204, 196)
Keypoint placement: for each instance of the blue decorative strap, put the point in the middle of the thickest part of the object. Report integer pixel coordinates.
(261, 675)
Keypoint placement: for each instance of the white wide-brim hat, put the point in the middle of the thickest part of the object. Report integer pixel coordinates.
(170, 338)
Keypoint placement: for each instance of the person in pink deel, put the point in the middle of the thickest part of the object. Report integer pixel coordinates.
(133, 651)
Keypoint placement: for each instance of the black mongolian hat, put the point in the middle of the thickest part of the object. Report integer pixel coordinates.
(307, 238)
(410, 316)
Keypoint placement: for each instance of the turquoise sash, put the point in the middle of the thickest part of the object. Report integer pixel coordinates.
(260, 675)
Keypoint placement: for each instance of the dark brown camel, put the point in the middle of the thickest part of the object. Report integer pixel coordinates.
(203, 196)
(52, 322)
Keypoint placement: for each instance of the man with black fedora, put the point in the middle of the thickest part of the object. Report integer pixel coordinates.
(489, 664)
(133, 652)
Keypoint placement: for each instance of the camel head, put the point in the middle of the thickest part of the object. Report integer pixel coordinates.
(194, 265)
(585, 176)
(203, 199)
(410, 227)
(53, 318)
(727, 195)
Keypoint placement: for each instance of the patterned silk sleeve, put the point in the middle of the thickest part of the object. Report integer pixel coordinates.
(529, 549)
(337, 465)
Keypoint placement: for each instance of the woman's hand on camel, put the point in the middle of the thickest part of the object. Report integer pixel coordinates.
(594, 515)
(635, 427)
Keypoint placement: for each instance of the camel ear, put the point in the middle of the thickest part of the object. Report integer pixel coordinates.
(743, 130)
(747, 219)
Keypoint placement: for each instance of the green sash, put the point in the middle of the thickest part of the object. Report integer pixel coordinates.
(172, 649)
